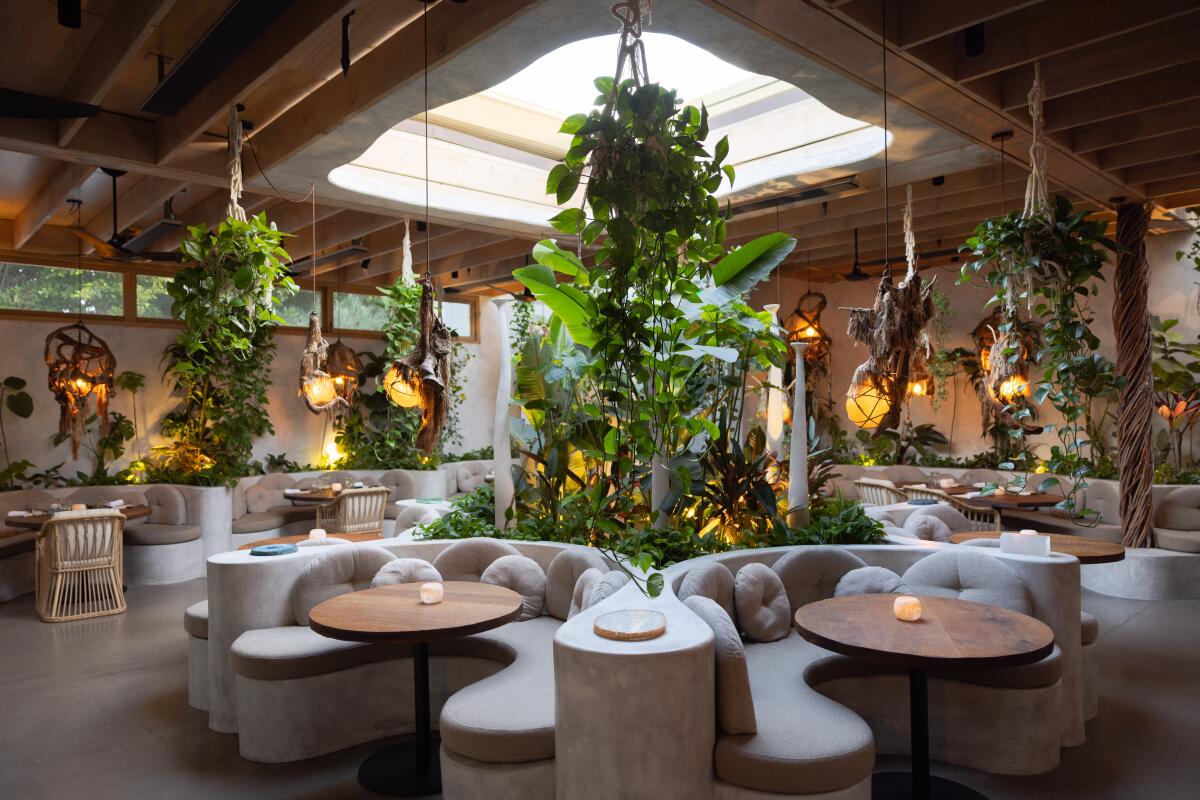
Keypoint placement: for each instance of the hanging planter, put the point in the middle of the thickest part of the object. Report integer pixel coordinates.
(80, 367)
(419, 379)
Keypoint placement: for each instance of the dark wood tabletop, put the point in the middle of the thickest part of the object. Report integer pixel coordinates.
(1088, 551)
(311, 496)
(396, 613)
(36, 521)
(1014, 500)
(950, 632)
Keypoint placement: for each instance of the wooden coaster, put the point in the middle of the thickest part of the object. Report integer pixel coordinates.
(631, 625)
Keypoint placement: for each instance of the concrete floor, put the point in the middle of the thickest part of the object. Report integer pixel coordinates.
(98, 709)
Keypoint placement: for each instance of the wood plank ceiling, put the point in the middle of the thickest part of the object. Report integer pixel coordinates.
(1121, 84)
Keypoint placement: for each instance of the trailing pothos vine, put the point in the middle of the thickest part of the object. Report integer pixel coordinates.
(1049, 263)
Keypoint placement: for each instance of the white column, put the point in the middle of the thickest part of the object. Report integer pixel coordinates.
(501, 445)
(798, 464)
(775, 399)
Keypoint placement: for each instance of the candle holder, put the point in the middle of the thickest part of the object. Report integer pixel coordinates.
(907, 608)
(316, 534)
(431, 593)
(1025, 543)
(335, 487)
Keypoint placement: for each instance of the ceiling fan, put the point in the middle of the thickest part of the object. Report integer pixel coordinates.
(132, 244)
(856, 271)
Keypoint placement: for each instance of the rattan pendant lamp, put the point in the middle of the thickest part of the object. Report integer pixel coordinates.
(318, 388)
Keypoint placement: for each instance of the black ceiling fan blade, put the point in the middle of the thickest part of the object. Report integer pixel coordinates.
(22, 105)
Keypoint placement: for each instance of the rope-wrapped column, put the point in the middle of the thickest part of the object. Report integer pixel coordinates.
(1133, 361)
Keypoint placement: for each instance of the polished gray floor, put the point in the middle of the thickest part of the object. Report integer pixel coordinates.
(98, 709)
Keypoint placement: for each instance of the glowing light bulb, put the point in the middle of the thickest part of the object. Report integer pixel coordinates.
(332, 453)
(319, 390)
(400, 390)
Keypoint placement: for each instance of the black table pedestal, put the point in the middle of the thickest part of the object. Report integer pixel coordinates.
(918, 784)
(411, 768)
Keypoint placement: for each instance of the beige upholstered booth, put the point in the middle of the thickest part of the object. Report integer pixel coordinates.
(79, 565)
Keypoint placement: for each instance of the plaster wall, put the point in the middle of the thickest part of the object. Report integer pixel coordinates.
(298, 433)
(1174, 288)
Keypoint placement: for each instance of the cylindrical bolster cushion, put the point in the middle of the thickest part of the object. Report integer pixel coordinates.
(712, 580)
(406, 570)
(466, 560)
(812, 573)
(562, 575)
(735, 702)
(583, 587)
(762, 603)
(869, 580)
(955, 520)
(606, 587)
(927, 527)
(525, 577)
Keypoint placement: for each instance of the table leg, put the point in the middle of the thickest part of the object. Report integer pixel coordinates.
(918, 784)
(411, 768)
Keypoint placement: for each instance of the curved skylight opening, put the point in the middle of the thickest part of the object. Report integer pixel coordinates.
(490, 152)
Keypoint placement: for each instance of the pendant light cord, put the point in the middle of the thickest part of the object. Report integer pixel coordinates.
(886, 209)
(312, 191)
(78, 259)
(425, 76)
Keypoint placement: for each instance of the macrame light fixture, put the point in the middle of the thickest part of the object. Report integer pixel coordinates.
(318, 388)
(420, 378)
(804, 325)
(893, 326)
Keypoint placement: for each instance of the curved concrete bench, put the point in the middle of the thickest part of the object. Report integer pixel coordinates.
(195, 624)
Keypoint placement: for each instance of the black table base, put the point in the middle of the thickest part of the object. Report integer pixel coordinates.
(411, 768)
(918, 784)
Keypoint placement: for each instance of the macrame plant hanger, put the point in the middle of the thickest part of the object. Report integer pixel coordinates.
(425, 371)
(79, 366)
(891, 327)
(317, 386)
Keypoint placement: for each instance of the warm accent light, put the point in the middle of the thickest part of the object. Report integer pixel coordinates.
(1013, 388)
(866, 406)
(80, 366)
(332, 453)
(917, 388)
(316, 534)
(907, 609)
(319, 390)
(804, 325)
(400, 390)
(431, 593)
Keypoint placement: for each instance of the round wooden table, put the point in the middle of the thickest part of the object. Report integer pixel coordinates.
(396, 614)
(36, 521)
(312, 496)
(301, 537)
(1088, 551)
(950, 633)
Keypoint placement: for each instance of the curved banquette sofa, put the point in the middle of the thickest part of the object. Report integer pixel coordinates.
(290, 694)
(545, 708)
(186, 525)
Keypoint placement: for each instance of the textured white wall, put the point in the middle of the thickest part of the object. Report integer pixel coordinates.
(297, 431)
(1173, 295)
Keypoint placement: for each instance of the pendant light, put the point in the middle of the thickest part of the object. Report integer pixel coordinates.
(856, 271)
(317, 386)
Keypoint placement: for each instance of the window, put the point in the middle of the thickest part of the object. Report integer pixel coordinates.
(295, 309)
(62, 290)
(459, 318)
(359, 312)
(153, 302)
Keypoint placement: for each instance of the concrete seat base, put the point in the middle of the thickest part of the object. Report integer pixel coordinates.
(17, 575)
(466, 779)
(1147, 574)
(727, 791)
(163, 563)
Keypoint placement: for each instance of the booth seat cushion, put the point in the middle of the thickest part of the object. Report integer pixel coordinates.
(563, 572)
(467, 560)
(1089, 628)
(152, 533)
(1180, 541)
(806, 743)
(508, 717)
(1180, 510)
(583, 588)
(762, 603)
(869, 580)
(14, 541)
(275, 518)
(525, 577)
(167, 506)
(968, 574)
(338, 571)
(928, 528)
(811, 573)
(402, 486)
(406, 570)
(712, 580)
(735, 701)
(954, 520)
(195, 620)
(267, 492)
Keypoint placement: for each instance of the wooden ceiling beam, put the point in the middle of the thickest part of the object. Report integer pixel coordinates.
(1176, 185)
(335, 230)
(133, 203)
(118, 42)
(471, 259)
(1163, 170)
(250, 69)
(921, 21)
(1135, 53)
(1130, 96)
(1051, 28)
(452, 27)
(443, 242)
(1136, 127)
(496, 273)
(210, 212)
(1173, 145)
(1184, 199)
(64, 180)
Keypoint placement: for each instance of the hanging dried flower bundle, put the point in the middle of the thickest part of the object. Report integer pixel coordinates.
(80, 366)
(423, 374)
(317, 386)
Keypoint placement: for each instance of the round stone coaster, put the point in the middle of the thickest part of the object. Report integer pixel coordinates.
(631, 625)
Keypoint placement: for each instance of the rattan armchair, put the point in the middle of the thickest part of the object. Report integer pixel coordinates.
(355, 511)
(981, 518)
(876, 492)
(79, 568)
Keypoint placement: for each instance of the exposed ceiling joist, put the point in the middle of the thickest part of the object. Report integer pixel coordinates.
(1130, 96)
(133, 203)
(921, 21)
(118, 41)
(1136, 127)
(49, 198)
(1147, 151)
(335, 230)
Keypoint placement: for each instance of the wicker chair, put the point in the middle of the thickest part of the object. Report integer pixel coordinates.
(981, 518)
(876, 492)
(79, 567)
(355, 511)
